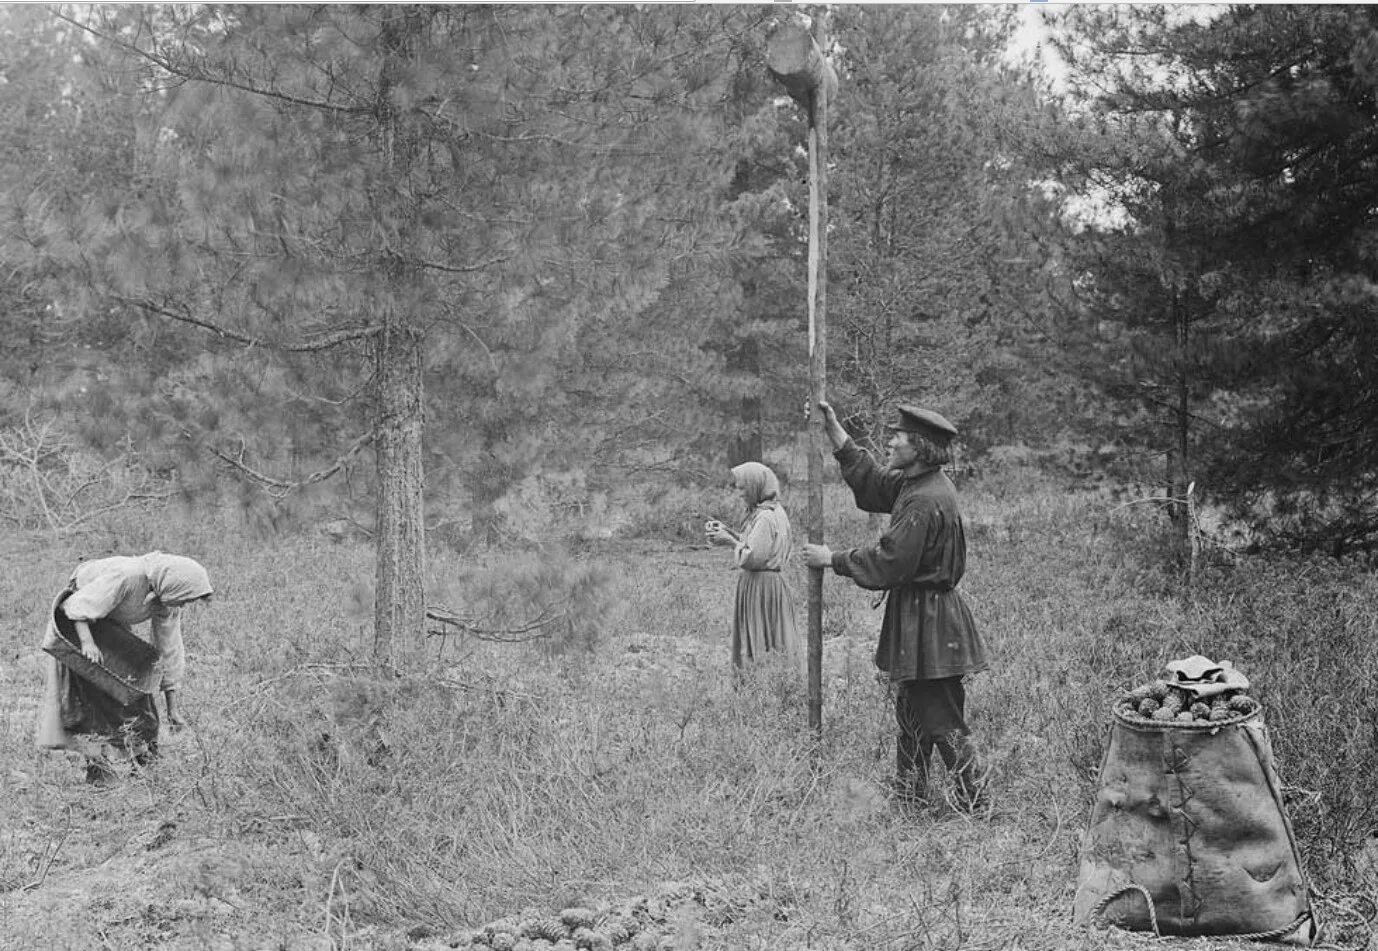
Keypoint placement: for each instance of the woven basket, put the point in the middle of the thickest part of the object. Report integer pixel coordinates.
(129, 671)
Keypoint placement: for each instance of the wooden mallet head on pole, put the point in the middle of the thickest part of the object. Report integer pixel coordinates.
(796, 62)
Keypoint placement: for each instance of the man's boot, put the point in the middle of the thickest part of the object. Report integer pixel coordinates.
(910, 784)
(959, 756)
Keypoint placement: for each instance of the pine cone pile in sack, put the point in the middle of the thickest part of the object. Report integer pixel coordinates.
(1188, 832)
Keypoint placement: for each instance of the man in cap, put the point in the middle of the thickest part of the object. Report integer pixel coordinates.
(928, 639)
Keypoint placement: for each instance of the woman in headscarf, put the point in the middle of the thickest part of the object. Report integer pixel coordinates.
(763, 619)
(111, 596)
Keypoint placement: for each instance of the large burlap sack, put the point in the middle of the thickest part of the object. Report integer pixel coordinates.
(1189, 835)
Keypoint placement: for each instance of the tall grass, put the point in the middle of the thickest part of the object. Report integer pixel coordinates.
(317, 805)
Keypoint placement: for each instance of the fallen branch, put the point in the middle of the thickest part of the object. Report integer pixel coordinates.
(455, 623)
(49, 855)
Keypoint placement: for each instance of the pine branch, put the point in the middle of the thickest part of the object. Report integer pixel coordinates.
(279, 489)
(191, 72)
(323, 343)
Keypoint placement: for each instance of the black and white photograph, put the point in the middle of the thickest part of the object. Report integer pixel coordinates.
(688, 476)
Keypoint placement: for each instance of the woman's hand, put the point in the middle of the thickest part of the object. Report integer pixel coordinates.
(717, 533)
(174, 722)
(818, 556)
(89, 650)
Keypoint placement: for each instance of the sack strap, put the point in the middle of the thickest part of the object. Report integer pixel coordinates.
(1273, 935)
(1152, 911)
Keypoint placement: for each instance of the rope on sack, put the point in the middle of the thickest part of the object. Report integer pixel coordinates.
(1273, 935)
(1356, 918)
(1276, 933)
(1152, 911)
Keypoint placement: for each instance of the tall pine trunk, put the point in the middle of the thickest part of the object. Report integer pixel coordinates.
(1178, 456)
(400, 607)
(748, 445)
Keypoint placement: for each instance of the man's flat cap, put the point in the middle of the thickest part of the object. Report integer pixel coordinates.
(912, 419)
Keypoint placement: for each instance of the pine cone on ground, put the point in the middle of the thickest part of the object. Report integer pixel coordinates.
(576, 918)
(620, 928)
(548, 929)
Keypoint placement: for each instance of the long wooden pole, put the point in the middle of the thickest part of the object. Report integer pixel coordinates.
(796, 60)
(818, 366)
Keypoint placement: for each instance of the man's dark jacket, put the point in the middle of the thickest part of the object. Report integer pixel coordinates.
(928, 632)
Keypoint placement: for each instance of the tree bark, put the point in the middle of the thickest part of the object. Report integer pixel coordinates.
(748, 445)
(400, 596)
(400, 603)
(1179, 461)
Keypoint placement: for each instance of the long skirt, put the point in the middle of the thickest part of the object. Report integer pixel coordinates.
(77, 715)
(763, 619)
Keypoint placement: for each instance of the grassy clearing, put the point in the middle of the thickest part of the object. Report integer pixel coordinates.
(314, 807)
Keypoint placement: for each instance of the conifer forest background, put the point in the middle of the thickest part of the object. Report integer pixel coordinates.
(433, 331)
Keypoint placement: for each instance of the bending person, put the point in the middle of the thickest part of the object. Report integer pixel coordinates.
(118, 592)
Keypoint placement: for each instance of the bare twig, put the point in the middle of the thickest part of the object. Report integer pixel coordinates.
(326, 342)
(455, 623)
(278, 488)
(335, 885)
(461, 269)
(50, 854)
(199, 73)
(55, 478)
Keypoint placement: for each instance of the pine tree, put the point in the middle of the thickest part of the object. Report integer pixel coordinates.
(930, 208)
(386, 214)
(64, 135)
(1236, 143)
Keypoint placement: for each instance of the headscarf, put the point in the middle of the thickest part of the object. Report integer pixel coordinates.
(757, 482)
(175, 578)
